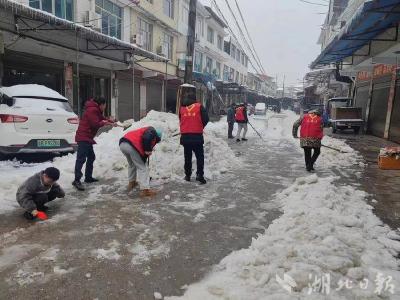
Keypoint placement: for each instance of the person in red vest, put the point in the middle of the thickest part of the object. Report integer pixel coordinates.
(242, 120)
(311, 134)
(137, 146)
(193, 119)
(92, 120)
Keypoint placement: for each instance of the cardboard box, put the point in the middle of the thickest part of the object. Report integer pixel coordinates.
(386, 162)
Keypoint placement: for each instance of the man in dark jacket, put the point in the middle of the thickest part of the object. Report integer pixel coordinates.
(137, 146)
(242, 119)
(231, 120)
(193, 119)
(37, 190)
(93, 119)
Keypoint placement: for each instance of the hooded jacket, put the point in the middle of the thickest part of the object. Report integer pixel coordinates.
(92, 120)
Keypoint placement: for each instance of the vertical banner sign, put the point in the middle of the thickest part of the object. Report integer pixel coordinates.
(69, 83)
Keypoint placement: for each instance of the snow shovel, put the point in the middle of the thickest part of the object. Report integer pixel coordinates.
(335, 149)
(256, 131)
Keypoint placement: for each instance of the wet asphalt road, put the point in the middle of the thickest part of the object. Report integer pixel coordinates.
(115, 246)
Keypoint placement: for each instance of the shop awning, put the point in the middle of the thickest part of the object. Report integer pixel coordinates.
(28, 22)
(371, 19)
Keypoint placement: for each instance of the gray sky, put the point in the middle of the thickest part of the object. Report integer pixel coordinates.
(284, 32)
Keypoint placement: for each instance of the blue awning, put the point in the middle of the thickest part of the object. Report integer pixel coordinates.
(371, 19)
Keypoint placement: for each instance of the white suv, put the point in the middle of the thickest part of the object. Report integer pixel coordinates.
(35, 119)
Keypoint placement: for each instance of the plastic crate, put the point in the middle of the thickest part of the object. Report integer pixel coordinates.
(386, 162)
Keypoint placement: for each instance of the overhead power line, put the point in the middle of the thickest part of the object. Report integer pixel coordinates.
(231, 31)
(244, 38)
(248, 34)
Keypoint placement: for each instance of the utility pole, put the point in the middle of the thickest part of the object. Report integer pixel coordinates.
(191, 39)
(283, 86)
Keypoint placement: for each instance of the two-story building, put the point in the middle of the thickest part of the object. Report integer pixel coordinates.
(78, 48)
(154, 27)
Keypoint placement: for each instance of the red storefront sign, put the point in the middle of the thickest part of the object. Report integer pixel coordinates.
(363, 76)
(383, 70)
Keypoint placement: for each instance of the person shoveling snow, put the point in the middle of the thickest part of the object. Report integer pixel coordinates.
(137, 146)
(38, 190)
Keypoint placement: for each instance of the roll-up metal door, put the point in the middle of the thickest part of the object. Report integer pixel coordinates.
(378, 109)
(361, 99)
(154, 95)
(125, 104)
(394, 132)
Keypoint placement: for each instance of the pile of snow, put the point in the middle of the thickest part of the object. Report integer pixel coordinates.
(327, 234)
(166, 163)
(345, 157)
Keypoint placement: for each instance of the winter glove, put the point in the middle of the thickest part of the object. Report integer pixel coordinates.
(41, 215)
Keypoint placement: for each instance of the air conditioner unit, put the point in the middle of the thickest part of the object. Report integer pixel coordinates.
(92, 20)
(161, 50)
(137, 39)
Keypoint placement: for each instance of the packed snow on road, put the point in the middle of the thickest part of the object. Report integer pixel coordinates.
(327, 242)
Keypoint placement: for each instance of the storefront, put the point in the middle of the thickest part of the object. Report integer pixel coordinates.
(394, 130)
(128, 108)
(23, 68)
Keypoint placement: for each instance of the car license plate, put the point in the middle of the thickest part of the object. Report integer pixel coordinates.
(48, 143)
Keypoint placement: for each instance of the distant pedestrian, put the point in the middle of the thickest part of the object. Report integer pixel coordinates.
(231, 120)
(38, 190)
(311, 134)
(93, 119)
(242, 119)
(193, 119)
(137, 146)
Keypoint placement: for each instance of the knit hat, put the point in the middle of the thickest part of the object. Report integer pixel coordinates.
(52, 173)
(159, 133)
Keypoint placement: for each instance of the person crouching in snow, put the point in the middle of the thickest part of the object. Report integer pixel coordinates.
(242, 120)
(93, 119)
(311, 134)
(37, 190)
(193, 119)
(137, 145)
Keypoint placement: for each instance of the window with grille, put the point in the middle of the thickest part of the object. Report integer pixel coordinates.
(61, 8)
(210, 35)
(145, 31)
(168, 45)
(111, 18)
(169, 8)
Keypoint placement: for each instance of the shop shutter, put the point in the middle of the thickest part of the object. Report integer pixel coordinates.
(394, 133)
(154, 95)
(378, 109)
(361, 99)
(125, 103)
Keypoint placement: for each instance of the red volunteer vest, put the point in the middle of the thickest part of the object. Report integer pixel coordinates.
(190, 119)
(239, 116)
(135, 137)
(311, 127)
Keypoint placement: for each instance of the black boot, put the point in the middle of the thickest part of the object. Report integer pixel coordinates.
(187, 178)
(78, 185)
(29, 216)
(91, 180)
(201, 179)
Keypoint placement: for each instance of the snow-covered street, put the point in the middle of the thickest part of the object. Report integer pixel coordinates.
(262, 228)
